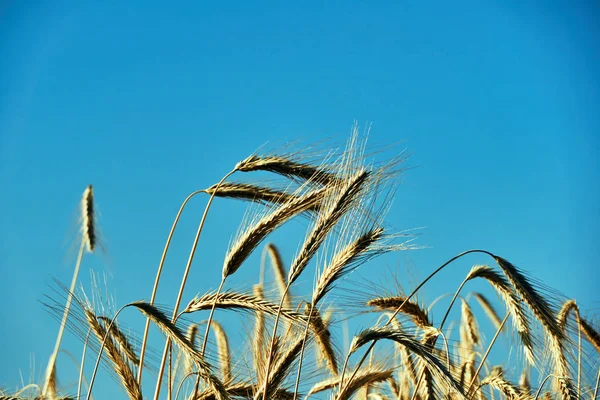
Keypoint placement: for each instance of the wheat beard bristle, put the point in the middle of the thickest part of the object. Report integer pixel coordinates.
(88, 219)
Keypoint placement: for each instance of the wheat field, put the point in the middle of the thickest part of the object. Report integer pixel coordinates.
(293, 344)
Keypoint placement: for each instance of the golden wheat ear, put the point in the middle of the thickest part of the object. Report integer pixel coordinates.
(88, 219)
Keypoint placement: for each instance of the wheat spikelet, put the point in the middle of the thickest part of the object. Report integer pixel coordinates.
(235, 300)
(255, 193)
(287, 167)
(592, 335)
(502, 287)
(121, 339)
(178, 337)
(258, 342)
(489, 310)
(224, 354)
(322, 338)
(121, 367)
(544, 313)
(496, 380)
(344, 198)
(364, 376)
(250, 238)
(88, 219)
(369, 377)
(470, 324)
(191, 334)
(280, 275)
(343, 261)
(418, 315)
(281, 367)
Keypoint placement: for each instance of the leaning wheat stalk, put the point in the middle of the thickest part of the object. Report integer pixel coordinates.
(88, 241)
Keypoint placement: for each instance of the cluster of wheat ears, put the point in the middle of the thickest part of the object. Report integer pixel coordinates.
(344, 196)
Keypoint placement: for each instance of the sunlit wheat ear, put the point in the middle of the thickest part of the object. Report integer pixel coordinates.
(223, 351)
(586, 328)
(422, 352)
(345, 196)
(496, 380)
(567, 307)
(418, 314)
(287, 167)
(489, 310)
(592, 334)
(191, 334)
(178, 337)
(240, 301)
(120, 339)
(284, 359)
(280, 274)
(544, 313)
(251, 237)
(88, 219)
(343, 261)
(469, 324)
(512, 303)
(258, 342)
(257, 194)
(363, 377)
(322, 338)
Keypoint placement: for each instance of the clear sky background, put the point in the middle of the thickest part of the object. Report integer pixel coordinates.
(497, 103)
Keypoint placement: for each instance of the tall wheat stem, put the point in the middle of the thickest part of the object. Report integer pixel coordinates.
(63, 323)
(156, 280)
(183, 282)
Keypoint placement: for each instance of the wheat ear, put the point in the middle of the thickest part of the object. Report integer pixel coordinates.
(121, 366)
(544, 313)
(365, 376)
(496, 380)
(489, 310)
(243, 301)
(287, 167)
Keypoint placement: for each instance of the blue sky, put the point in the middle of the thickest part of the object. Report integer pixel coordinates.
(495, 101)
